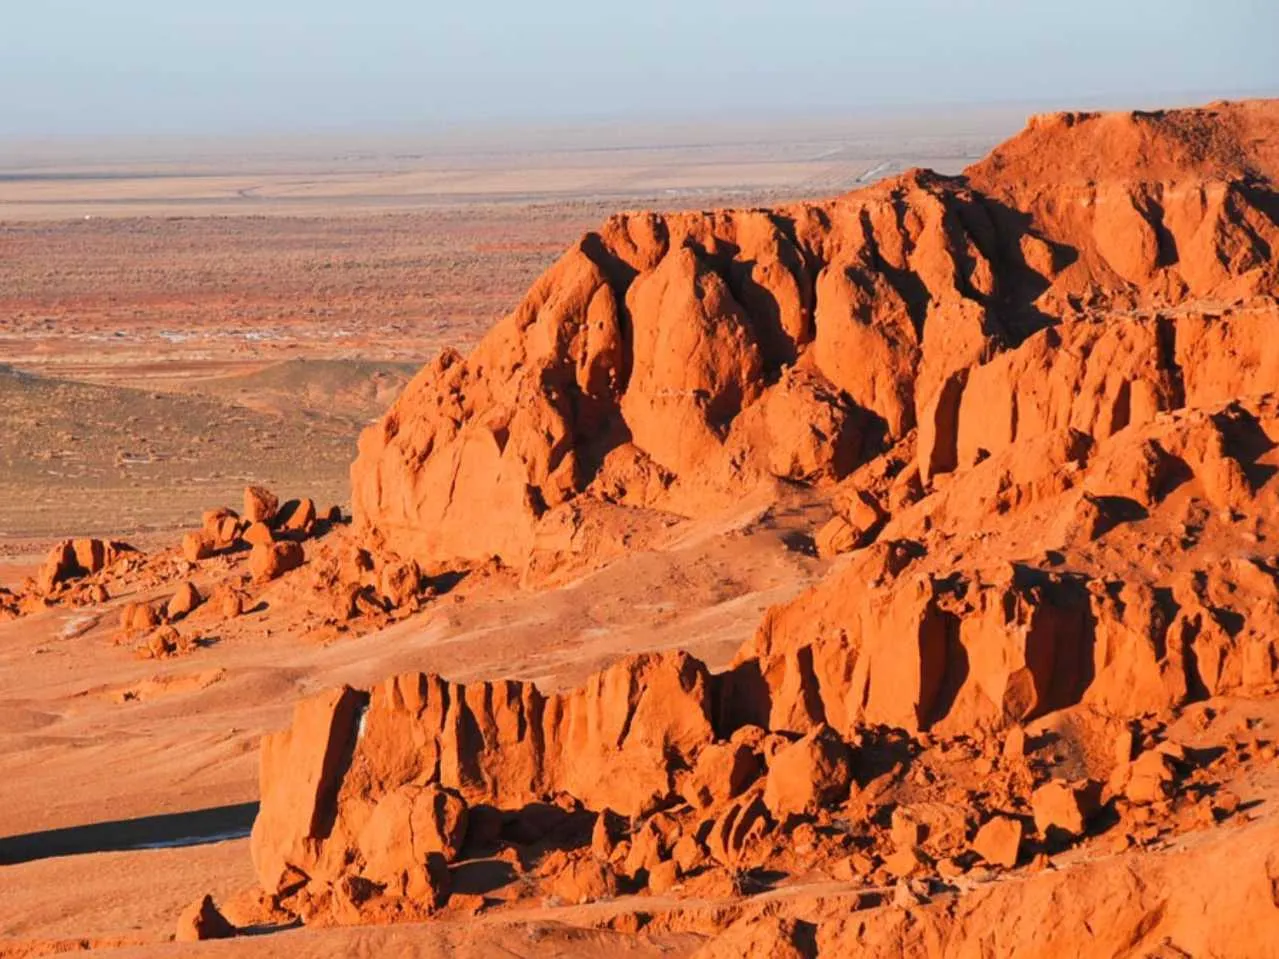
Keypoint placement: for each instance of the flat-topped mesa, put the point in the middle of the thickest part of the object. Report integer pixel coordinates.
(1157, 207)
(1225, 140)
(668, 362)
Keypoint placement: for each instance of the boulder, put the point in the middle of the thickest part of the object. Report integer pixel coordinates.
(649, 846)
(576, 879)
(270, 561)
(998, 841)
(1063, 808)
(138, 618)
(1150, 778)
(858, 517)
(166, 641)
(183, 602)
(197, 546)
(59, 567)
(722, 771)
(258, 534)
(226, 601)
(260, 504)
(742, 822)
(399, 582)
(836, 536)
(405, 826)
(221, 526)
(91, 555)
(663, 877)
(688, 854)
(809, 774)
(606, 832)
(296, 519)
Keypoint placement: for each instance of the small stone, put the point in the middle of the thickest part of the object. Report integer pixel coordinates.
(1015, 743)
(904, 862)
(803, 838)
(998, 841)
(904, 896)
(906, 831)
(1120, 842)
(184, 601)
(1062, 808)
(197, 546)
(1225, 804)
(202, 920)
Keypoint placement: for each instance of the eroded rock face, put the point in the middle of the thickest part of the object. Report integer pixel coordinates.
(720, 350)
(340, 786)
(1043, 405)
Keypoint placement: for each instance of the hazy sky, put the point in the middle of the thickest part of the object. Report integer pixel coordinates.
(74, 67)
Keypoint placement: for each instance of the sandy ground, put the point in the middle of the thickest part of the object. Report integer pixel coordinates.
(687, 163)
(149, 292)
(140, 739)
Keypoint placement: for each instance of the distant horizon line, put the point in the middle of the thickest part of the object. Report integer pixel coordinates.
(674, 116)
(633, 130)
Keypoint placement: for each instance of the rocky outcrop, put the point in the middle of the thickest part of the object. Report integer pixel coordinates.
(1041, 406)
(615, 743)
(669, 361)
(73, 560)
(369, 786)
(949, 641)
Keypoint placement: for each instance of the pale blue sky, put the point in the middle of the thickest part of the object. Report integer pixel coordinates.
(87, 67)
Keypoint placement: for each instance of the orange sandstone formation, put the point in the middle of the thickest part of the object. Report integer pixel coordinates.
(1039, 399)
(669, 361)
(1037, 408)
